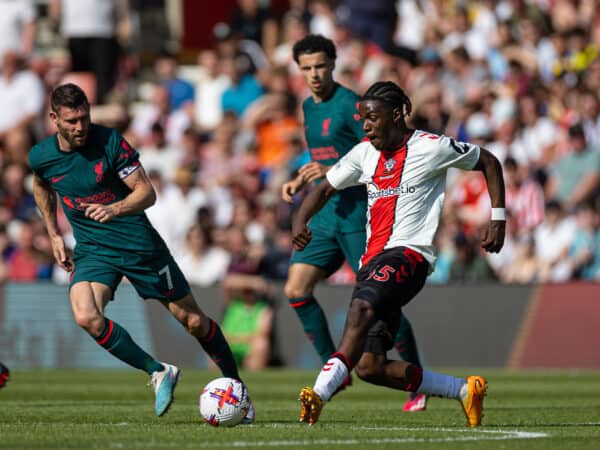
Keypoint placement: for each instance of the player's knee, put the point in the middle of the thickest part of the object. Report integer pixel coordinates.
(368, 369)
(361, 313)
(93, 324)
(293, 290)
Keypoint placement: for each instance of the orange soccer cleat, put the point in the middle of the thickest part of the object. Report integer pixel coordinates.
(311, 406)
(472, 400)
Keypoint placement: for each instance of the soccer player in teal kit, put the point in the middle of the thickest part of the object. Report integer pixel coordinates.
(104, 191)
(332, 127)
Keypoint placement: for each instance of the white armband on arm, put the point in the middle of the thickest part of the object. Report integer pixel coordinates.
(128, 170)
(499, 214)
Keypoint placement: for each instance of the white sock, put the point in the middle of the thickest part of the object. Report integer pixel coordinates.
(333, 373)
(441, 385)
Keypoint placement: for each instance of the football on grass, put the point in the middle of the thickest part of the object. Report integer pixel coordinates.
(224, 402)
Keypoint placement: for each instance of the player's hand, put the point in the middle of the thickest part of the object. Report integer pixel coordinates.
(301, 236)
(493, 236)
(99, 213)
(62, 255)
(313, 171)
(291, 188)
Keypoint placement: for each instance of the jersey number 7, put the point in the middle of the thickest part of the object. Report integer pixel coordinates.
(165, 271)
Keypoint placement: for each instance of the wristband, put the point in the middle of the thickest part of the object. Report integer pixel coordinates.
(499, 214)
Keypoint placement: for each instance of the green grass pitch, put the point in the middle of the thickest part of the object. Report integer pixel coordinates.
(114, 410)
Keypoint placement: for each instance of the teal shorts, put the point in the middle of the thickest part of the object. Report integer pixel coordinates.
(153, 275)
(328, 251)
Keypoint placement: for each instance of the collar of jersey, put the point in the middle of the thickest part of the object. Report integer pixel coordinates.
(402, 144)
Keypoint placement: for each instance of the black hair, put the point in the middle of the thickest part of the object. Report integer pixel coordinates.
(389, 93)
(314, 43)
(510, 163)
(576, 130)
(68, 95)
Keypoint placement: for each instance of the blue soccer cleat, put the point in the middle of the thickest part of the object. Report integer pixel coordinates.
(164, 383)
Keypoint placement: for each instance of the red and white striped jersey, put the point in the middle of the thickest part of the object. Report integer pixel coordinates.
(405, 188)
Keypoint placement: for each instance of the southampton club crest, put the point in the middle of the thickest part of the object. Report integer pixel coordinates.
(389, 164)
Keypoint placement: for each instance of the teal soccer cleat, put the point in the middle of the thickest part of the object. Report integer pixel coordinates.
(164, 383)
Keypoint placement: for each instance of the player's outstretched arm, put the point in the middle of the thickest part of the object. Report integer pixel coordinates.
(311, 205)
(493, 237)
(45, 199)
(142, 196)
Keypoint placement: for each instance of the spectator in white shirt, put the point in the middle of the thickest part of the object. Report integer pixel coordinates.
(552, 240)
(202, 263)
(17, 22)
(22, 100)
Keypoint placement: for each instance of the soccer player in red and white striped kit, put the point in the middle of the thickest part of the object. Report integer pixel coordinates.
(404, 171)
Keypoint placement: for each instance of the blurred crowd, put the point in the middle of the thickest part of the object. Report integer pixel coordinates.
(219, 134)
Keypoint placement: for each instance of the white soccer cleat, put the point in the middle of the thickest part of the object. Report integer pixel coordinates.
(250, 415)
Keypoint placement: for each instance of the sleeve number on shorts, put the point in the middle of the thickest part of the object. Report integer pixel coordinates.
(381, 274)
(459, 147)
(165, 271)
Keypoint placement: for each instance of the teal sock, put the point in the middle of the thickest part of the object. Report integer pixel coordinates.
(118, 342)
(406, 344)
(315, 325)
(215, 345)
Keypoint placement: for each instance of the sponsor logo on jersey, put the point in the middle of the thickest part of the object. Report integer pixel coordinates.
(99, 171)
(374, 192)
(325, 127)
(321, 153)
(57, 179)
(103, 198)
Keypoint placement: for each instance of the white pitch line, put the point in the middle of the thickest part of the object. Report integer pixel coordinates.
(473, 435)
(446, 430)
(502, 435)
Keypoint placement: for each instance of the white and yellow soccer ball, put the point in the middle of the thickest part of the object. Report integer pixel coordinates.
(224, 402)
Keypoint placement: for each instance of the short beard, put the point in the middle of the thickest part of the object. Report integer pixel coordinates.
(71, 141)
